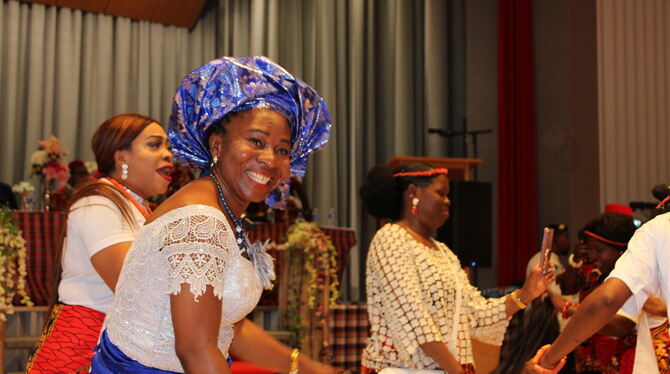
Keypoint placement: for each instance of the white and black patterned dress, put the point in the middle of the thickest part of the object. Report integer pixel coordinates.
(417, 294)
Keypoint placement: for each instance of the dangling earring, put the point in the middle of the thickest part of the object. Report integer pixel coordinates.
(124, 171)
(215, 160)
(415, 206)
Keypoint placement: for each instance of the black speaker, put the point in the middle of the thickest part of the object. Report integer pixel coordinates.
(468, 230)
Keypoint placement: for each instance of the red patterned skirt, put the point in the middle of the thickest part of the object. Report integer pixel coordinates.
(606, 354)
(67, 342)
(467, 369)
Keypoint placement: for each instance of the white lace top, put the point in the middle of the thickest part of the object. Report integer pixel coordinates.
(417, 295)
(191, 245)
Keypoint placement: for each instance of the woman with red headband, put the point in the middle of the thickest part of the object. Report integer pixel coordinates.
(640, 272)
(612, 349)
(422, 308)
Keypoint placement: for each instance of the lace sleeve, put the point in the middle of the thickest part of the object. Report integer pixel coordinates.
(488, 320)
(197, 249)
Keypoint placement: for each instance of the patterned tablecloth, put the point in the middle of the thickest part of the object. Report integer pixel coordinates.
(349, 332)
(42, 232)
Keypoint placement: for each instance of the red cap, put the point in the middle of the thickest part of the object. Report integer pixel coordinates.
(619, 208)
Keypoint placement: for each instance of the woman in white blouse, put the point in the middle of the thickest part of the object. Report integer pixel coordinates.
(422, 309)
(192, 275)
(103, 219)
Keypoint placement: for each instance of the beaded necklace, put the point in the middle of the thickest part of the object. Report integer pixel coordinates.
(134, 198)
(239, 232)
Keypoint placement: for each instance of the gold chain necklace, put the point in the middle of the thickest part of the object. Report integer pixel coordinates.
(427, 241)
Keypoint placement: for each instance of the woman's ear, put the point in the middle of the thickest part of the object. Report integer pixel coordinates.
(412, 189)
(215, 143)
(120, 157)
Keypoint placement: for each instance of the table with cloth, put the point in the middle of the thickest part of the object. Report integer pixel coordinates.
(42, 231)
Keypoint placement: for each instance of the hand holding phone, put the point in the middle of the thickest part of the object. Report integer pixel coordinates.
(545, 250)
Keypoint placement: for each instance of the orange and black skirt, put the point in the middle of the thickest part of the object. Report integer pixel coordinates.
(67, 342)
(467, 369)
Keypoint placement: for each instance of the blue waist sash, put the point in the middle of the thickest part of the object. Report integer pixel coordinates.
(108, 359)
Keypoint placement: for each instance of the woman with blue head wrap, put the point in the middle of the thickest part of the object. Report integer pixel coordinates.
(192, 274)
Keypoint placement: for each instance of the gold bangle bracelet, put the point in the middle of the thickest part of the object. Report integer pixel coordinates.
(293, 366)
(517, 300)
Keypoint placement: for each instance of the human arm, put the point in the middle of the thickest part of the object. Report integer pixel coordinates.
(533, 367)
(439, 352)
(655, 307)
(618, 326)
(96, 224)
(196, 327)
(198, 250)
(596, 310)
(254, 345)
(636, 274)
(108, 262)
(534, 286)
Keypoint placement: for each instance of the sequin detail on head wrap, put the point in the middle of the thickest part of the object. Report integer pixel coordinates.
(234, 84)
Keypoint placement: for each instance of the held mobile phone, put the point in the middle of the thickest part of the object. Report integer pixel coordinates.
(547, 241)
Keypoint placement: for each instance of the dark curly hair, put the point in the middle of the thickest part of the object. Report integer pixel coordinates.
(382, 192)
(616, 227)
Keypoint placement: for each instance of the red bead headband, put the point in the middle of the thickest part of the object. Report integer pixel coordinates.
(426, 173)
(598, 237)
(662, 203)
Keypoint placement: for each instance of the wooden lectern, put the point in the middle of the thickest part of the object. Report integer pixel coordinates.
(485, 355)
(459, 168)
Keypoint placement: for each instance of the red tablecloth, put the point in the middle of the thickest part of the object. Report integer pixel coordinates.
(42, 233)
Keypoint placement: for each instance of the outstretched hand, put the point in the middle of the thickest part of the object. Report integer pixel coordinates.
(533, 365)
(537, 282)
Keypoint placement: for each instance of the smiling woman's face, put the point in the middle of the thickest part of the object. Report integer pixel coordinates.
(604, 256)
(254, 154)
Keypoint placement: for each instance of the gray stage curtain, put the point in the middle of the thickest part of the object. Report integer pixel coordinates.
(381, 65)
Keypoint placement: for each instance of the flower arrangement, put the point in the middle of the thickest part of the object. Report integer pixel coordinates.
(313, 286)
(25, 189)
(47, 162)
(13, 269)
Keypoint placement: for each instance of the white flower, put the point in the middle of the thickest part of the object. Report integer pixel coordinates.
(23, 187)
(39, 157)
(91, 166)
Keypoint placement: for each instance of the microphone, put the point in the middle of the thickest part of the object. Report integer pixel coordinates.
(441, 132)
(661, 191)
